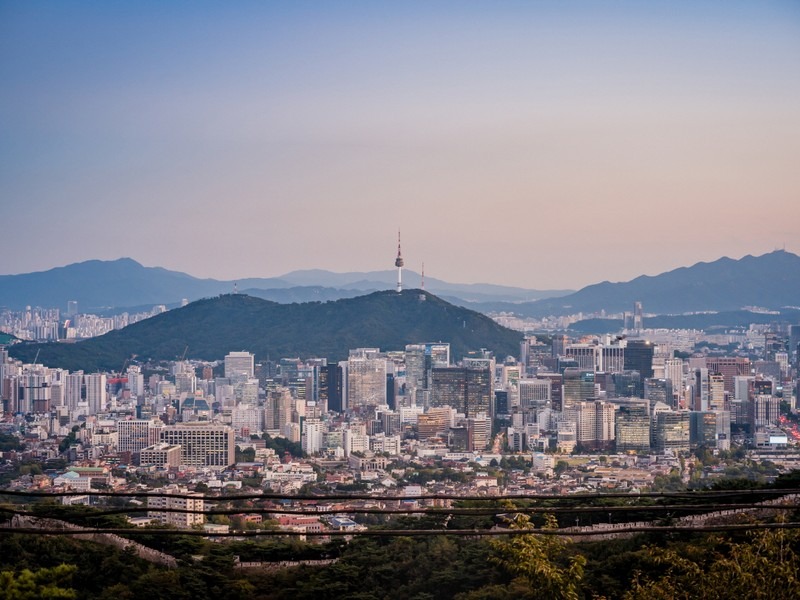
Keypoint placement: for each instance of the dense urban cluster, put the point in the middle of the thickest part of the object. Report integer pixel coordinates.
(49, 324)
(628, 412)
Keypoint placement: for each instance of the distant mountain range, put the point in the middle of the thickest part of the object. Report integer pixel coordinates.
(124, 283)
(210, 328)
(769, 281)
(708, 322)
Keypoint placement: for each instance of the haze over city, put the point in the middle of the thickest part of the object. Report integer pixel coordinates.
(544, 145)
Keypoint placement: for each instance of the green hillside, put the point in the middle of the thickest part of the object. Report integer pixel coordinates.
(213, 327)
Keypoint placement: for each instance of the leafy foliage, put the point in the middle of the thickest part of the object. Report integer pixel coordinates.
(282, 445)
(36, 585)
(540, 565)
(766, 566)
(10, 442)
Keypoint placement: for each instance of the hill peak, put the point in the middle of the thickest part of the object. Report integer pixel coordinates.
(212, 327)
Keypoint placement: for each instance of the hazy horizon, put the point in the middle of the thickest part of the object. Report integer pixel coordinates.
(538, 145)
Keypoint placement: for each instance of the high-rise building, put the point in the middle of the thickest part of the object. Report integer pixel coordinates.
(185, 383)
(594, 423)
(743, 388)
(479, 428)
(638, 318)
(247, 419)
(467, 389)
(586, 356)
(773, 343)
(659, 390)
(330, 388)
(277, 409)
(633, 426)
(449, 387)
(765, 410)
(612, 358)
(628, 384)
(578, 386)
(710, 429)
(135, 381)
(312, 436)
(639, 357)
(701, 394)
(716, 391)
(437, 420)
(534, 394)
(729, 367)
(238, 363)
(74, 390)
(96, 395)
(34, 393)
(416, 372)
(673, 370)
(366, 379)
(560, 342)
(135, 434)
(671, 431)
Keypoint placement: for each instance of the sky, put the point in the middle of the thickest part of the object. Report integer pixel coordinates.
(546, 145)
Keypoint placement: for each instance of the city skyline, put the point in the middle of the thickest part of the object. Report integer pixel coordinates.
(539, 146)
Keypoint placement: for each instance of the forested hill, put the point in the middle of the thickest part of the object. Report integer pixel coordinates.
(213, 327)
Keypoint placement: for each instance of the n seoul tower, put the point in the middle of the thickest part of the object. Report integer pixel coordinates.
(399, 264)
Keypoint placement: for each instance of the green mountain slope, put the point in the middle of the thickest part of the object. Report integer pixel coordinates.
(213, 327)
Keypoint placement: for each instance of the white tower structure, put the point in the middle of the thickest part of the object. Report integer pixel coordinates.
(399, 264)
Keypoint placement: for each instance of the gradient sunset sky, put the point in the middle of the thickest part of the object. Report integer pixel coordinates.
(539, 144)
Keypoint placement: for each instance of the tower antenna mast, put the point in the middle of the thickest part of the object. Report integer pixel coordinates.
(399, 264)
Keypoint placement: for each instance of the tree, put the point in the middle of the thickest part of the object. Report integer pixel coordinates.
(540, 565)
(10, 442)
(765, 566)
(560, 467)
(34, 585)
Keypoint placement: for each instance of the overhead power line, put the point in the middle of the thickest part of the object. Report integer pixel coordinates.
(409, 532)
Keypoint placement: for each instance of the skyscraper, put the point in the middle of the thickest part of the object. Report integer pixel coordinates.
(330, 387)
(96, 395)
(366, 378)
(633, 426)
(578, 386)
(135, 434)
(639, 357)
(238, 363)
(672, 431)
(638, 316)
(730, 367)
(468, 389)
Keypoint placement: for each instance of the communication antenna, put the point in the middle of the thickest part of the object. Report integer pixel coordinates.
(399, 264)
(422, 283)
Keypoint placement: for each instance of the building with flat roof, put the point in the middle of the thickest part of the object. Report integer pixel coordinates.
(161, 455)
(239, 363)
(156, 506)
(202, 444)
